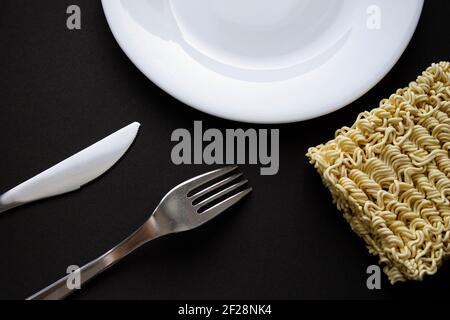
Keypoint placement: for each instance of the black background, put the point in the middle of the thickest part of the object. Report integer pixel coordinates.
(62, 90)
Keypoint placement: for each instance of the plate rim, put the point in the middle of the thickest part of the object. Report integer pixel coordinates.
(195, 101)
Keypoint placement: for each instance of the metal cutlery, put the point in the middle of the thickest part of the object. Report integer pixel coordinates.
(187, 206)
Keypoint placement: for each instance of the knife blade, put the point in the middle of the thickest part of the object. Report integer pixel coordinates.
(74, 172)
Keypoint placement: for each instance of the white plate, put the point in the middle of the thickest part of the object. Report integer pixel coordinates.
(264, 61)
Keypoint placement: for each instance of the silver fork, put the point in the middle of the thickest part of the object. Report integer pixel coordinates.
(180, 210)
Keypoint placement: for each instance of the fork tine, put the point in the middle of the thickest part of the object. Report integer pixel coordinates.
(220, 194)
(223, 205)
(215, 186)
(200, 180)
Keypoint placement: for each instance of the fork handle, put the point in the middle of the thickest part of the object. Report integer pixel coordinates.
(60, 289)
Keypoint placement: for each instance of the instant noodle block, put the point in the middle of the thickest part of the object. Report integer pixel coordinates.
(390, 176)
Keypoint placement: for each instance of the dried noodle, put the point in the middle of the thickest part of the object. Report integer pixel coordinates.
(390, 176)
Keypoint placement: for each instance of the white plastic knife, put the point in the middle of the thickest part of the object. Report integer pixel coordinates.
(74, 172)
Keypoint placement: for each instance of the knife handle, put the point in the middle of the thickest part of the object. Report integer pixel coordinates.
(37, 188)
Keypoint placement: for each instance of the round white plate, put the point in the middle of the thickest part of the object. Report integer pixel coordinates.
(264, 61)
